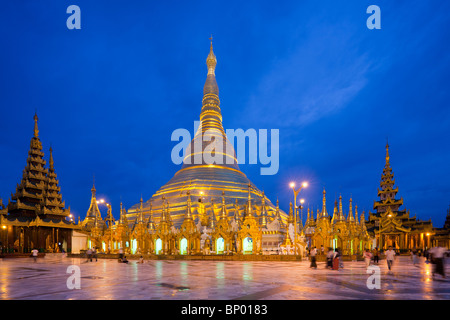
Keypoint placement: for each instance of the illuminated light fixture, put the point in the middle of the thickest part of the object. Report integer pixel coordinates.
(3, 227)
(302, 201)
(305, 184)
(292, 184)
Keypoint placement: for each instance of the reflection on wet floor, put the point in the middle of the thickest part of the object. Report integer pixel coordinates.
(222, 280)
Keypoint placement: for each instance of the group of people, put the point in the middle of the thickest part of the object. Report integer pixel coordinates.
(91, 253)
(334, 257)
(334, 260)
(435, 255)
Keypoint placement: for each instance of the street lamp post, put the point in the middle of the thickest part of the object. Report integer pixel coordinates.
(296, 192)
(302, 201)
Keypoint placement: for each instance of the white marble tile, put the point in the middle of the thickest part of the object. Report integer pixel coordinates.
(203, 280)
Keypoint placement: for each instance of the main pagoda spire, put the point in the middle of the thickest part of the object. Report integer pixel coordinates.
(210, 145)
(209, 165)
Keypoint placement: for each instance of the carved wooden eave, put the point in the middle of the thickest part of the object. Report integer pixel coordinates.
(387, 190)
(388, 202)
(38, 222)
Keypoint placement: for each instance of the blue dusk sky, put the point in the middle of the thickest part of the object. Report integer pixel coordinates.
(109, 95)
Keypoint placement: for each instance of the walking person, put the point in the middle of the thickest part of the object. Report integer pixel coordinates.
(414, 257)
(437, 258)
(94, 254)
(390, 255)
(376, 255)
(367, 257)
(336, 259)
(341, 260)
(89, 255)
(34, 254)
(312, 255)
(330, 256)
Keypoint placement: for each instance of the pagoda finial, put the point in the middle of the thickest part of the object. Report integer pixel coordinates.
(93, 188)
(324, 204)
(188, 205)
(50, 161)
(350, 210)
(36, 130)
(211, 60)
(387, 153)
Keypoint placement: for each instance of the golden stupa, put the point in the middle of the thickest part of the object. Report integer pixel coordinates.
(207, 183)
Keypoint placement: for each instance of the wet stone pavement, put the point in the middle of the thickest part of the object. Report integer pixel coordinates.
(47, 279)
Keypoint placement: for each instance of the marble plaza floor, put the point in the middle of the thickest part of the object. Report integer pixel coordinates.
(22, 279)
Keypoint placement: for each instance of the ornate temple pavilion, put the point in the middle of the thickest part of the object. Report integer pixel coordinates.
(35, 216)
(392, 226)
(206, 183)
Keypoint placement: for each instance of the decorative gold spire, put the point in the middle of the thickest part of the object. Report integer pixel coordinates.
(163, 212)
(291, 214)
(50, 161)
(263, 219)
(36, 130)
(224, 211)
(387, 154)
(324, 212)
(213, 220)
(189, 206)
(141, 211)
(121, 213)
(249, 201)
(350, 212)
(93, 188)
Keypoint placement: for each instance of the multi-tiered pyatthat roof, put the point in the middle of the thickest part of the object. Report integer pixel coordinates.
(38, 194)
(387, 192)
(206, 181)
(391, 225)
